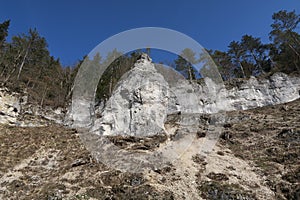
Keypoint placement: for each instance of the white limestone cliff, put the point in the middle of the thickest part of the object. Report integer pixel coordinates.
(148, 93)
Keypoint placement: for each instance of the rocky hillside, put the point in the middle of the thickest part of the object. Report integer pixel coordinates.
(157, 137)
(15, 110)
(147, 94)
(256, 157)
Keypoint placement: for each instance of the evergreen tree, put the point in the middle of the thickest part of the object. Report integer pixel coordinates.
(255, 54)
(237, 54)
(3, 33)
(184, 64)
(223, 62)
(285, 50)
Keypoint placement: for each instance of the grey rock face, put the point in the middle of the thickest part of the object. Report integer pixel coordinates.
(10, 107)
(149, 93)
(139, 104)
(16, 111)
(279, 88)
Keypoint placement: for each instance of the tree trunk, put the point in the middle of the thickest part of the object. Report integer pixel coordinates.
(43, 97)
(3, 71)
(293, 49)
(11, 73)
(70, 92)
(110, 86)
(23, 61)
(297, 67)
(242, 68)
(257, 62)
(14, 68)
(190, 73)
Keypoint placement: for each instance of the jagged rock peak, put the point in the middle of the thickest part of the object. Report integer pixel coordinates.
(144, 58)
(138, 104)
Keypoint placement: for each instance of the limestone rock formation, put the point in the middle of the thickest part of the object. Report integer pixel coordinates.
(139, 104)
(10, 106)
(149, 93)
(252, 93)
(16, 111)
(257, 157)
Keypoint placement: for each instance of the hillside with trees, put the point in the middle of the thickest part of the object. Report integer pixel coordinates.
(250, 57)
(172, 139)
(26, 63)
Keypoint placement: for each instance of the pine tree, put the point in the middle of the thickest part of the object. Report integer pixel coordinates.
(285, 50)
(255, 54)
(184, 64)
(237, 54)
(3, 33)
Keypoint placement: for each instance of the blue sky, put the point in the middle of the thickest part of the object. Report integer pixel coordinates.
(73, 28)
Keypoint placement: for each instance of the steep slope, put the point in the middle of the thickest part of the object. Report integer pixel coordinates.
(160, 137)
(257, 157)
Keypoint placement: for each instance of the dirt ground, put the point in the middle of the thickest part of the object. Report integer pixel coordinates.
(256, 157)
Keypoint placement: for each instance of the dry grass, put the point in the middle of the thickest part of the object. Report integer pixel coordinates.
(257, 153)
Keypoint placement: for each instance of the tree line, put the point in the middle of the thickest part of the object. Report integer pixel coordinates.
(250, 57)
(26, 63)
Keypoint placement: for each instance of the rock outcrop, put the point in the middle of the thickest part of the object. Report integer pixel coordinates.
(139, 104)
(255, 158)
(15, 110)
(210, 97)
(253, 93)
(149, 93)
(10, 106)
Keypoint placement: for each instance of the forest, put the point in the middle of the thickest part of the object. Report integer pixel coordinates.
(27, 65)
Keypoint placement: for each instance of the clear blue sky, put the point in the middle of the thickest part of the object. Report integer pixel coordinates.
(73, 28)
